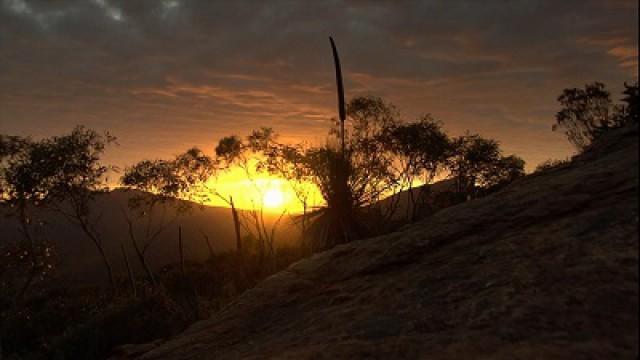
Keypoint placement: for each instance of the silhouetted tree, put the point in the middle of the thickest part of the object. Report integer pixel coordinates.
(287, 162)
(502, 172)
(245, 154)
(21, 191)
(588, 113)
(12, 148)
(372, 173)
(350, 182)
(366, 165)
(11, 145)
(160, 184)
(478, 162)
(421, 149)
(78, 177)
(62, 173)
(628, 111)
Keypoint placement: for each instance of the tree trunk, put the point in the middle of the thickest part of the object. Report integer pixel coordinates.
(206, 239)
(140, 255)
(96, 241)
(236, 224)
(181, 250)
(145, 265)
(107, 264)
(24, 221)
(132, 280)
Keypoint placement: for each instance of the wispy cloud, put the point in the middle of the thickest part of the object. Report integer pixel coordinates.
(174, 71)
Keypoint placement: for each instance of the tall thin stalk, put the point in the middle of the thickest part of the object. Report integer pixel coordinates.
(341, 204)
(342, 113)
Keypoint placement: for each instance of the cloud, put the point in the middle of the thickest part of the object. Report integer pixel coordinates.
(174, 71)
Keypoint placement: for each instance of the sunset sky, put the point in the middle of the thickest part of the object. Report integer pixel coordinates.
(166, 75)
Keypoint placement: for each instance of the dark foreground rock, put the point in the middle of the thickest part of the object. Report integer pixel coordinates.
(546, 268)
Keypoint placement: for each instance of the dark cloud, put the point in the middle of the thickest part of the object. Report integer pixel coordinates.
(163, 75)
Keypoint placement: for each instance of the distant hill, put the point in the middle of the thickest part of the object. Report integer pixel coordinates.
(401, 200)
(546, 268)
(78, 258)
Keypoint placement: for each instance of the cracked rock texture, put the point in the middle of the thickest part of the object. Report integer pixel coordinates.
(546, 268)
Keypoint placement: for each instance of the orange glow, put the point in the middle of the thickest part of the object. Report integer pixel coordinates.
(271, 193)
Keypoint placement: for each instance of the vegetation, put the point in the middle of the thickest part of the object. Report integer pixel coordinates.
(62, 173)
(371, 160)
(158, 184)
(383, 157)
(588, 113)
(550, 164)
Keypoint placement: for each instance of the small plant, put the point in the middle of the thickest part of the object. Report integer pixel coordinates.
(551, 164)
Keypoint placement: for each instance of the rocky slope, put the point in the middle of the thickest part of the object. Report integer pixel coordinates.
(546, 268)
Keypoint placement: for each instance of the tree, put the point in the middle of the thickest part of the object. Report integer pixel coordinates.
(12, 148)
(21, 191)
(421, 149)
(77, 177)
(351, 181)
(628, 112)
(476, 162)
(246, 154)
(370, 163)
(354, 180)
(61, 173)
(160, 183)
(502, 172)
(288, 162)
(588, 113)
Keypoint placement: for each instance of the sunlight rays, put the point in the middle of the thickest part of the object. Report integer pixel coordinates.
(272, 193)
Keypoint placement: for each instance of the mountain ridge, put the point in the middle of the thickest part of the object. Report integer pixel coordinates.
(79, 260)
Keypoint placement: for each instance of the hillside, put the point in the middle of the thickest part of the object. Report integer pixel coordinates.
(78, 258)
(401, 201)
(546, 268)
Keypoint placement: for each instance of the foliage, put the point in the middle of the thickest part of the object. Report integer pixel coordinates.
(478, 162)
(24, 262)
(247, 154)
(61, 173)
(159, 183)
(628, 113)
(370, 165)
(588, 113)
(382, 157)
(181, 177)
(352, 182)
(68, 321)
(421, 150)
(550, 164)
(348, 181)
(502, 172)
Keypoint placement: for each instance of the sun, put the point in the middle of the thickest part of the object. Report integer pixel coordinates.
(273, 199)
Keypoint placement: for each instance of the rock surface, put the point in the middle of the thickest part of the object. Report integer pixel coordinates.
(546, 268)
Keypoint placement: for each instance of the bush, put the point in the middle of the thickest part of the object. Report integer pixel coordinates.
(550, 164)
(131, 321)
